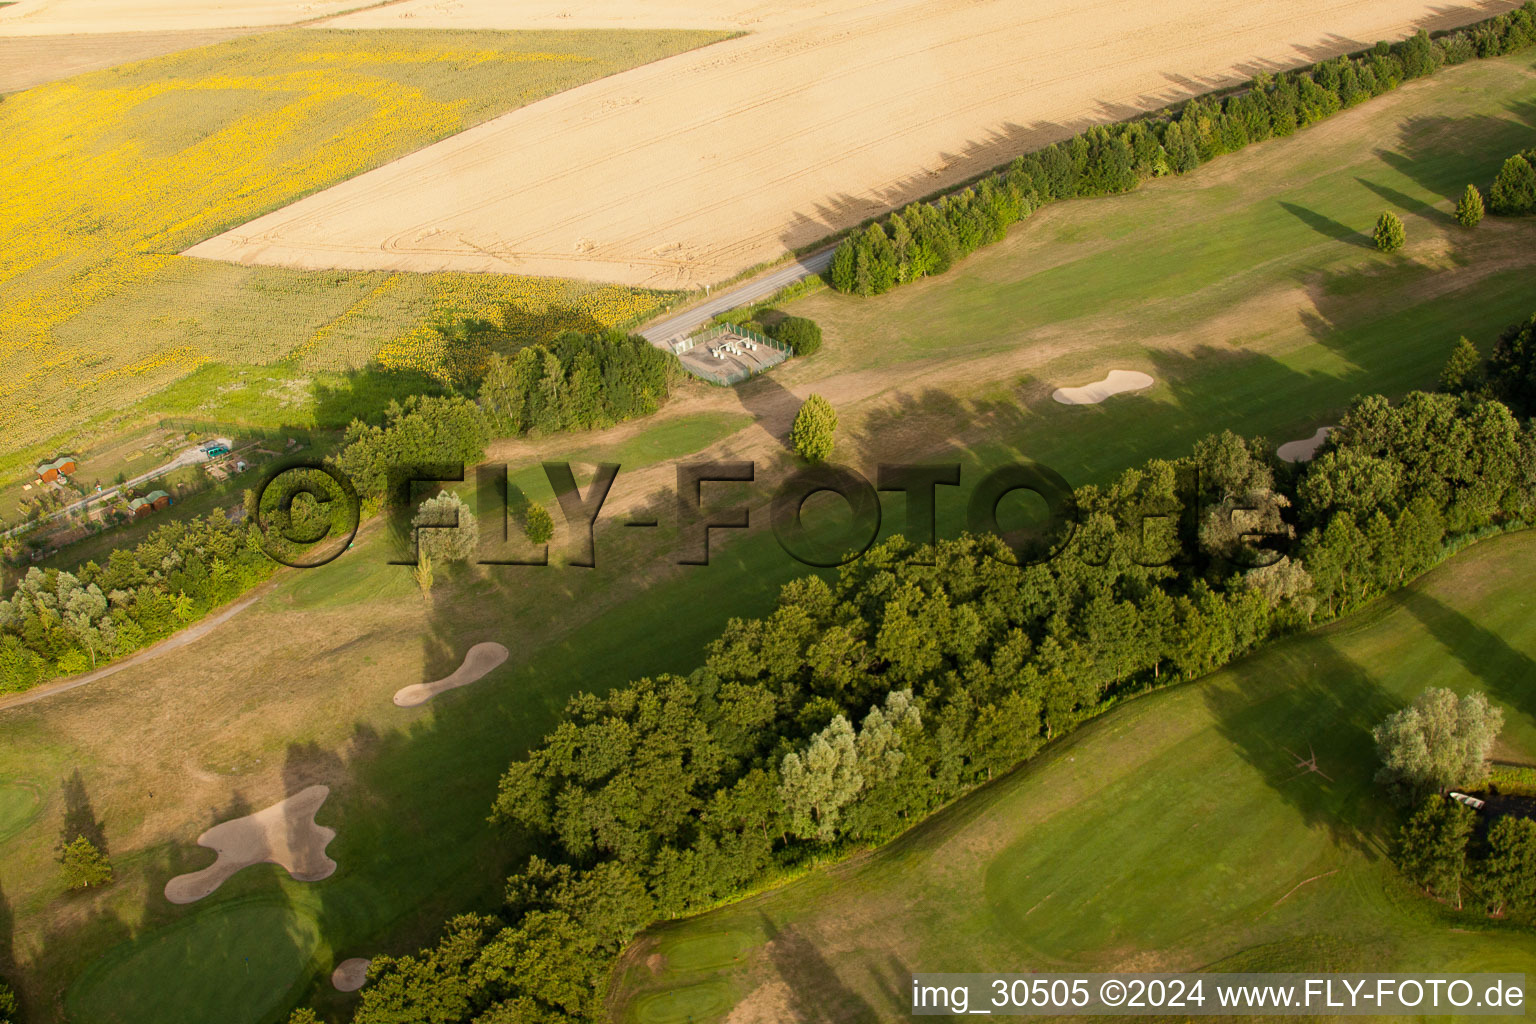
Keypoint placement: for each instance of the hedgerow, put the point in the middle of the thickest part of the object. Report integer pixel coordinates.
(927, 238)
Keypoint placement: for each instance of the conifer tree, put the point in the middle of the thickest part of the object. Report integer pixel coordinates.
(1390, 234)
(1469, 212)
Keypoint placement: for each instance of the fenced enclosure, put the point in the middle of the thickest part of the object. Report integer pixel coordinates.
(728, 354)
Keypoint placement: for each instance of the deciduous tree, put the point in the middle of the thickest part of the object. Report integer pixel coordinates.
(1436, 742)
(1432, 847)
(812, 434)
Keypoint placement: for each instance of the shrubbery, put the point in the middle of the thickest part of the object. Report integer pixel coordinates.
(801, 334)
(1513, 192)
(578, 383)
(927, 238)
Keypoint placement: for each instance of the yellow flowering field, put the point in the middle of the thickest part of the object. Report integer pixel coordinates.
(109, 175)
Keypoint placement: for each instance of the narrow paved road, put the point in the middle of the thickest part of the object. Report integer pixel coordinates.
(663, 331)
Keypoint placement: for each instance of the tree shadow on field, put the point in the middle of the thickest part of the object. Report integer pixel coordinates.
(1506, 672)
(1404, 201)
(1327, 226)
(1302, 700)
(1444, 154)
(79, 816)
(817, 995)
(771, 404)
(365, 394)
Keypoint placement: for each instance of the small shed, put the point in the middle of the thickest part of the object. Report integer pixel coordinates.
(154, 501)
(51, 471)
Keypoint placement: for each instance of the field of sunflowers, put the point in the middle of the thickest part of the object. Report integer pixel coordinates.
(109, 175)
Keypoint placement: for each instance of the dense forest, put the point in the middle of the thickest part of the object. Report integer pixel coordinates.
(862, 703)
(927, 238)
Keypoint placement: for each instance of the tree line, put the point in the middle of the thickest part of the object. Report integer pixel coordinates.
(58, 622)
(927, 238)
(864, 702)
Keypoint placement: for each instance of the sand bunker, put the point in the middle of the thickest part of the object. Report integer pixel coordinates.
(480, 660)
(284, 834)
(1114, 384)
(350, 975)
(691, 169)
(1303, 450)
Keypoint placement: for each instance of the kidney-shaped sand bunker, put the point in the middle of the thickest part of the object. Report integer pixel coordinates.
(1114, 384)
(480, 660)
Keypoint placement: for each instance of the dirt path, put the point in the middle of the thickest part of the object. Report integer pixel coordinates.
(177, 640)
(690, 170)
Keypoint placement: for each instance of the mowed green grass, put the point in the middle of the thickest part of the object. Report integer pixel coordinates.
(19, 804)
(1173, 833)
(241, 956)
(1257, 270)
(412, 841)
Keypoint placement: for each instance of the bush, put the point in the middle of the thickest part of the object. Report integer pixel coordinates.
(538, 524)
(1469, 212)
(1390, 235)
(10, 1013)
(85, 866)
(801, 334)
(815, 425)
(1514, 191)
(451, 533)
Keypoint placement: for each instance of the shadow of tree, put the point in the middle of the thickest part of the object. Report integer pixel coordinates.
(1404, 201)
(816, 992)
(1305, 699)
(1327, 226)
(79, 816)
(1506, 672)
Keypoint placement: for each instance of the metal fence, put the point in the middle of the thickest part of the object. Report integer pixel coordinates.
(736, 368)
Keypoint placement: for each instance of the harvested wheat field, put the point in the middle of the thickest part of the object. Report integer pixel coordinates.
(29, 60)
(69, 17)
(691, 169)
